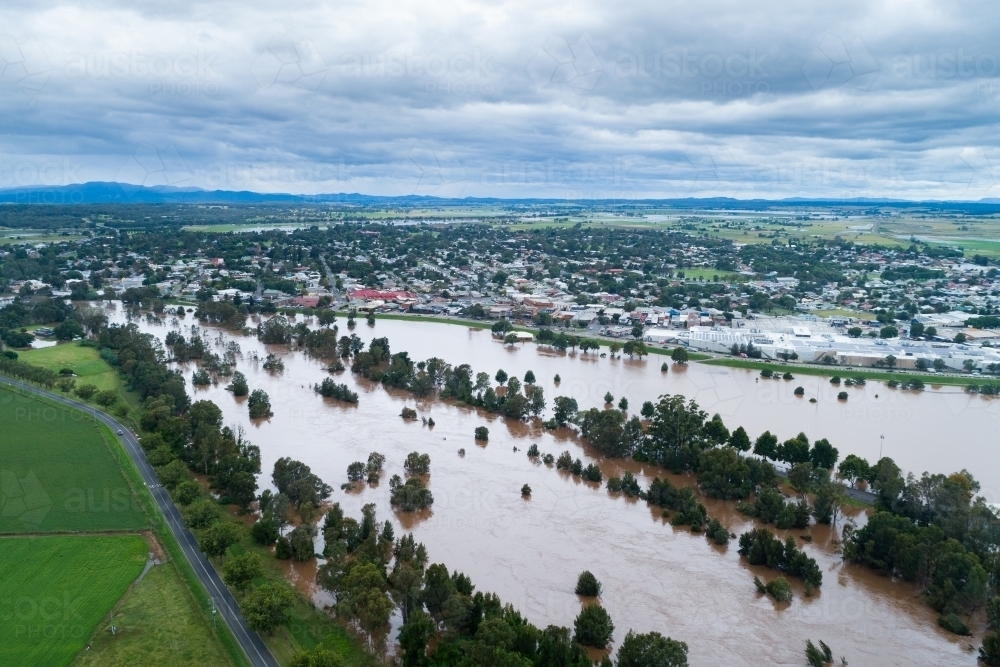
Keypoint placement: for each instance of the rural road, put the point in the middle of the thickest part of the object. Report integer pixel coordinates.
(251, 643)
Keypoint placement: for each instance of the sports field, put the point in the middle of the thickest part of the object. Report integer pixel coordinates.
(59, 471)
(57, 589)
(86, 362)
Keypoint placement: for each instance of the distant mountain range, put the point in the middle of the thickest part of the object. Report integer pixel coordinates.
(99, 192)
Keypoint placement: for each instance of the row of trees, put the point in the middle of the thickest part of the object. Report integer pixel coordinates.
(446, 621)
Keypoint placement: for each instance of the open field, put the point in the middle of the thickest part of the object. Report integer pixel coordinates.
(929, 379)
(57, 589)
(158, 623)
(59, 471)
(86, 362)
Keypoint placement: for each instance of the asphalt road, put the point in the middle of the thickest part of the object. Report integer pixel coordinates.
(251, 643)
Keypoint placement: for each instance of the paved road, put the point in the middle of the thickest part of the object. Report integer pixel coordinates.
(331, 279)
(251, 643)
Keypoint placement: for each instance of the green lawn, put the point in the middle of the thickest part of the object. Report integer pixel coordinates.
(158, 623)
(59, 472)
(86, 362)
(56, 589)
(841, 371)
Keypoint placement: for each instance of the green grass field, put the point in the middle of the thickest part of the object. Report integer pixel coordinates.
(56, 589)
(59, 472)
(929, 379)
(156, 624)
(86, 362)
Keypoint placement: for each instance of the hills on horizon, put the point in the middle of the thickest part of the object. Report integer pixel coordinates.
(102, 192)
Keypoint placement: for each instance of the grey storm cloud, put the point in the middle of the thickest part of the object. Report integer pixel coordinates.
(564, 99)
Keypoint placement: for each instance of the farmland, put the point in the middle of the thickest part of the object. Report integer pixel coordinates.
(158, 623)
(60, 472)
(57, 589)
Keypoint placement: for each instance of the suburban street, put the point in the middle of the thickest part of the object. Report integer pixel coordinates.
(253, 646)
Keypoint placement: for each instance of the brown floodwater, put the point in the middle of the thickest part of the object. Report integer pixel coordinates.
(655, 576)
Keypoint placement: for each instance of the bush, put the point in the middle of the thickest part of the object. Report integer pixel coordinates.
(219, 537)
(525, 490)
(282, 548)
(533, 451)
(989, 652)
(787, 376)
(300, 541)
(161, 456)
(259, 404)
(548, 459)
(565, 461)
(587, 584)
(482, 433)
(408, 414)
(593, 626)
(779, 589)
(186, 493)
(835, 380)
(761, 547)
(238, 385)
(411, 496)
(266, 607)
(264, 533)
(202, 513)
(592, 473)
(240, 571)
(842, 396)
(651, 649)
(799, 391)
(954, 623)
(716, 532)
(417, 464)
(331, 389)
(817, 657)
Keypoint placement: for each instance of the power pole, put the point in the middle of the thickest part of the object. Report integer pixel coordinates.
(881, 440)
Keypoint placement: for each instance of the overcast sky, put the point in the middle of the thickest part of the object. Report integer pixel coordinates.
(521, 98)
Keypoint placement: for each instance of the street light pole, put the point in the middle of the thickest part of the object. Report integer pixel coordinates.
(881, 440)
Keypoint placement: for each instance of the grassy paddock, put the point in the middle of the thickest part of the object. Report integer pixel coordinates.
(86, 362)
(841, 371)
(57, 589)
(156, 624)
(60, 472)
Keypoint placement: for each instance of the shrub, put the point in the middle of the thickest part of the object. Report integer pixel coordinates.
(202, 513)
(525, 490)
(593, 626)
(417, 464)
(201, 378)
(592, 473)
(482, 433)
(259, 404)
(219, 537)
(161, 456)
(817, 657)
(411, 496)
(787, 376)
(565, 461)
(408, 414)
(533, 451)
(799, 391)
(650, 649)
(779, 589)
(240, 571)
(186, 492)
(341, 392)
(716, 532)
(842, 396)
(587, 584)
(264, 532)
(282, 548)
(989, 652)
(835, 380)
(300, 540)
(954, 623)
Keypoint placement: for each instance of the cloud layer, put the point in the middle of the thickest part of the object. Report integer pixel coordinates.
(557, 99)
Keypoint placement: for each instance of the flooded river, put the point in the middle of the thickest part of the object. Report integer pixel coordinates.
(655, 577)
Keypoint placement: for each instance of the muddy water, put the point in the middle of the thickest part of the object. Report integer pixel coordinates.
(655, 577)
